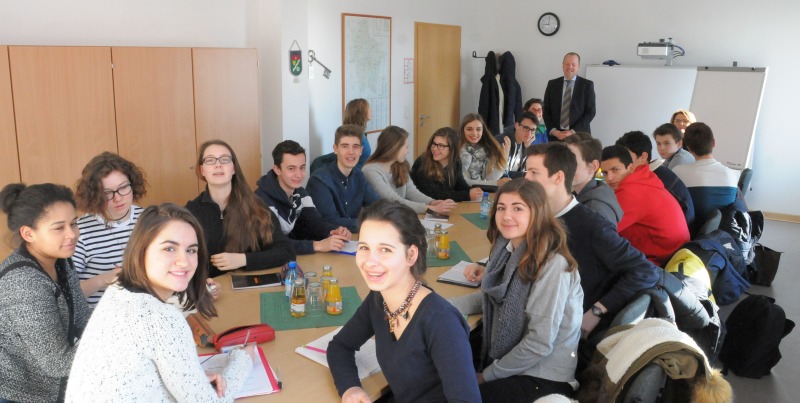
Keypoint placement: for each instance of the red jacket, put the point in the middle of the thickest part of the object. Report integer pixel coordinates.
(652, 220)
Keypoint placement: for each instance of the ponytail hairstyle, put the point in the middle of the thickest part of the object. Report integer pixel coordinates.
(545, 236)
(497, 159)
(25, 205)
(134, 273)
(433, 170)
(390, 141)
(248, 223)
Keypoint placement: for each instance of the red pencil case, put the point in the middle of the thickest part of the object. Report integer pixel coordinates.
(260, 333)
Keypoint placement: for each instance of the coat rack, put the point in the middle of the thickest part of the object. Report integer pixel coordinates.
(475, 55)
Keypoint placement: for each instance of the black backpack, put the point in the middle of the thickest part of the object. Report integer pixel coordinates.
(755, 329)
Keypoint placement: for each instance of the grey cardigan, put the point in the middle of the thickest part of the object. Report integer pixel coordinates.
(34, 341)
(553, 313)
(381, 181)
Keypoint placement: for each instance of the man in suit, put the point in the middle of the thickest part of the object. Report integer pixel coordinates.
(568, 101)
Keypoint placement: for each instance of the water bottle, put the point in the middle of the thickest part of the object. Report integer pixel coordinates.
(291, 275)
(486, 205)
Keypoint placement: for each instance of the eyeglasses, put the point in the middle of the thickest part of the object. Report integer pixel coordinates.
(225, 159)
(528, 129)
(123, 190)
(439, 146)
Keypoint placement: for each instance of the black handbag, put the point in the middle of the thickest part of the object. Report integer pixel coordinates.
(765, 264)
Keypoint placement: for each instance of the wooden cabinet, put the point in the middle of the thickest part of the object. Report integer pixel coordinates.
(61, 106)
(155, 119)
(8, 138)
(226, 103)
(64, 109)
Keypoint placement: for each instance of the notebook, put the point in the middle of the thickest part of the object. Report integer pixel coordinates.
(366, 360)
(262, 380)
(456, 276)
(241, 282)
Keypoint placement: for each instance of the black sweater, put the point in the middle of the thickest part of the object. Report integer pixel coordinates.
(440, 190)
(275, 254)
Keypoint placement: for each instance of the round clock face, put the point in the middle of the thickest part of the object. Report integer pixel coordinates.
(549, 24)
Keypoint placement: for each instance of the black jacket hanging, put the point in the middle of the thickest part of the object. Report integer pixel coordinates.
(512, 93)
(489, 102)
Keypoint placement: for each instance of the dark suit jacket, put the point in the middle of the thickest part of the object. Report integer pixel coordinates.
(581, 110)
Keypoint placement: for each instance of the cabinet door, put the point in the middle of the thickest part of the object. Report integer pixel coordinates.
(155, 119)
(226, 103)
(64, 108)
(8, 138)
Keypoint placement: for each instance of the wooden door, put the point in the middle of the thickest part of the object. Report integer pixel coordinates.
(226, 103)
(8, 139)
(437, 80)
(155, 119)
(64, 109)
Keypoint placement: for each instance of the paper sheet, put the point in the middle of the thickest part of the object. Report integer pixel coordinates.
(366, 360)
(456, 275)
(350, 248)
(428, 224)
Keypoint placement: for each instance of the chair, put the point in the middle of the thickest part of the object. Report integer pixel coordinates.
(645, 386)
(711, 224)
(634, 312)
(320, 161)
(744, 181)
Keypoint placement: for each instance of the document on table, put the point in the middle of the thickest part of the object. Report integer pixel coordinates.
(428, 224)
(456, 276)
(366, 360)
(350, 248)
(261, 381)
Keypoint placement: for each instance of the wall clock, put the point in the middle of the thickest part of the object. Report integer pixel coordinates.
(549, 24)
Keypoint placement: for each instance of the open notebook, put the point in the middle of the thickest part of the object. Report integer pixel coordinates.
(456, 276)
(262, 380)
(366, 360)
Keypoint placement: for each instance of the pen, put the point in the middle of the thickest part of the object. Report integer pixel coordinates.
(280, 384)
(246, 336)
(319, 350)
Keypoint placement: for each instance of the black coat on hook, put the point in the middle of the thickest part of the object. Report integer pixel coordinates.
(512, 93)
(489, 101)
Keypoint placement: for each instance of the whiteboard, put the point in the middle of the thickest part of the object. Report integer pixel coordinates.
(366, 65)
(637, 98)
(728, 99)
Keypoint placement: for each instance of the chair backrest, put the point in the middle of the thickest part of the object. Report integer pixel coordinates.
(632, 313)
(744, 180)
(321, 161)
(645, 386)
(711, 224)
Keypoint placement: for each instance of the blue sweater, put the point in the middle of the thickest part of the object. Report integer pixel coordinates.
(612, 271)
(431, 362)
(339, 198)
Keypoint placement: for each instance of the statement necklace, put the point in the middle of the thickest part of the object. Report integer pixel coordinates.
(394, 317)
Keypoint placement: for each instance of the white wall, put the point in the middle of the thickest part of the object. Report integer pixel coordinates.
(713, 34)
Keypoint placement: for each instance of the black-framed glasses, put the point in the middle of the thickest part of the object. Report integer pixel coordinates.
(528, 129)
(123, 190)
(439, 146)
(225, 159)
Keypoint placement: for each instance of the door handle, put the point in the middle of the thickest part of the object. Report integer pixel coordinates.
(422, 119)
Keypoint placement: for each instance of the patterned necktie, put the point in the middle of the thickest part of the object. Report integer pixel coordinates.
(565, 105)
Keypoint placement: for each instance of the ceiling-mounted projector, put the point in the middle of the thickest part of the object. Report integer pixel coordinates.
(663, 49)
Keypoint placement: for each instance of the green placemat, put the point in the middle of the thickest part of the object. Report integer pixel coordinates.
(456, 255)
(275, 311)
(475, 218)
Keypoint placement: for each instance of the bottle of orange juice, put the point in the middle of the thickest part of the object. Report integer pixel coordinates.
(333, 301)
(444, 246)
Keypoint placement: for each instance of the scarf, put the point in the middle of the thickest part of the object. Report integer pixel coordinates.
(504, 296)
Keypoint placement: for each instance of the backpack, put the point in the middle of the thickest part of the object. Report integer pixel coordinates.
(755, 329)
(723, 260)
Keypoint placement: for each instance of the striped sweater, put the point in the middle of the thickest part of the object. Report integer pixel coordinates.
(101, 246)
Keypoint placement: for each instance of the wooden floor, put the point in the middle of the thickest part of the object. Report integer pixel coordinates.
(783, 385)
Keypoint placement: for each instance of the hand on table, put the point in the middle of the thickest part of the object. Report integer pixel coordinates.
(342, 231)
(218, 382)
(474, 272)
(475, 194)
(228, 261)
(355, 395)
(331, 243)
(442, 206)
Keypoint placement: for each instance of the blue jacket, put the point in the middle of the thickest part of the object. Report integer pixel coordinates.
(339, 198)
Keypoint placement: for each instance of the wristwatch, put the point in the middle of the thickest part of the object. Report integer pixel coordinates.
(596, 311)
